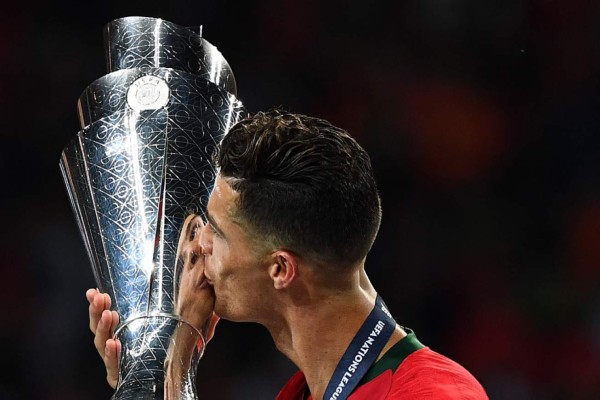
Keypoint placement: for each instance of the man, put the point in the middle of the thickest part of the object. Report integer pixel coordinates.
(293, 213)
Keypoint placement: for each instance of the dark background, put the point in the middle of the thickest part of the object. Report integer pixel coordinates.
(481, 117)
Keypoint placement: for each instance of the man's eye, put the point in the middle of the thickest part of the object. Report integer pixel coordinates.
(194, 232)
(214, 231)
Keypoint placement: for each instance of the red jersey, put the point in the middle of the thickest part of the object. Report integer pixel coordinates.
(408, 370)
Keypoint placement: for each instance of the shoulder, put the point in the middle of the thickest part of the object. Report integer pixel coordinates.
(426, 374)
(423, 375)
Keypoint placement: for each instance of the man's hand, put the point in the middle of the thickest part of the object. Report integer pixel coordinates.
(102, 324)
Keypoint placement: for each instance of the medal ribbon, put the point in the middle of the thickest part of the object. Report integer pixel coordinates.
(361, 353)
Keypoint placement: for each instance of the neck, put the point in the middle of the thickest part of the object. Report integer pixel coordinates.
(316, 332)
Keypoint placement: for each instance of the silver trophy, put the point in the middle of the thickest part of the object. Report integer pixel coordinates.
(140, 166)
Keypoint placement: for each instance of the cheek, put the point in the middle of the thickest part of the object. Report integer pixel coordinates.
(221, 257)
(233, 266)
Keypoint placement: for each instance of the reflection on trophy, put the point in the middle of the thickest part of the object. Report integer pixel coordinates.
(136, 174)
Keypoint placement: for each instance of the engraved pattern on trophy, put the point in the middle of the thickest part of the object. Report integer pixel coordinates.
(108, 94)
(138, 168)
(135, 42)
(122, 179)
(148, 344)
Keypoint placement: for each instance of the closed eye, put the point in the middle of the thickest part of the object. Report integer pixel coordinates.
(214, 227)
(214, 231)
(194, 231)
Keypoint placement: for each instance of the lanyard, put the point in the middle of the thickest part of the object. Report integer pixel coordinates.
(362, 352)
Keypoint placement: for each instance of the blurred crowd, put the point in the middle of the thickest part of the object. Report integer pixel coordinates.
(482, 118)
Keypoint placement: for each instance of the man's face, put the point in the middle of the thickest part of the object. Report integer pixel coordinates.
(238, 274)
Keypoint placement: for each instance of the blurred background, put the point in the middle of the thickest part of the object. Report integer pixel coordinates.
(481, 117)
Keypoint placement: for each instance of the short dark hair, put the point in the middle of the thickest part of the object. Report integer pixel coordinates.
(303, 183)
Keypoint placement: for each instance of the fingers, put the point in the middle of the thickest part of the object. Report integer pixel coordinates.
(103, 331)
(115, 321)
(112, 350)
(93, 311)
(103, 322)
(89, 294)
(98, 303)
(107, 321)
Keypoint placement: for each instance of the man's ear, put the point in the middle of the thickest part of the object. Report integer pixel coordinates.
(283, 269)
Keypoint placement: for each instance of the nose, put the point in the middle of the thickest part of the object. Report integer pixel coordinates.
(206, 239)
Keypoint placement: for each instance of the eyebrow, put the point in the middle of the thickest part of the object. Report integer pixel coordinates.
(212, 222)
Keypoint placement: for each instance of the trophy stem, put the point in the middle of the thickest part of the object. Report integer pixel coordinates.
(159, 356)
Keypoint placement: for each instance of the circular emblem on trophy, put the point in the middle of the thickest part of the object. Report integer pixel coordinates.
(148, 93)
